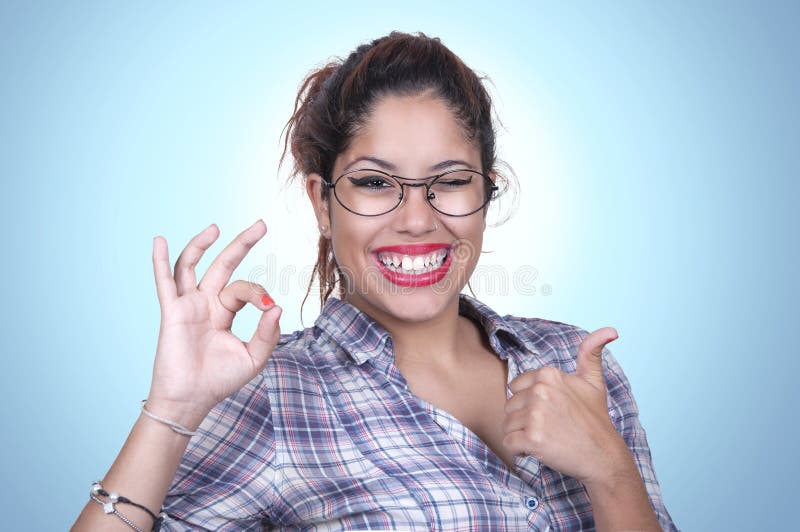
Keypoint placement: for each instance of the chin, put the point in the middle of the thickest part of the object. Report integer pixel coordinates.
(409, 304)
(420, 306)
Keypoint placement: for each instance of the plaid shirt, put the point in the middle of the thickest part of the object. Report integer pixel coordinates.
(329, 437)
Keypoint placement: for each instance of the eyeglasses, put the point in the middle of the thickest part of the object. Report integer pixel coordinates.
(369, 192)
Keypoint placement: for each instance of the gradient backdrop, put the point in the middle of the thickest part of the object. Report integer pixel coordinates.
(656, 146)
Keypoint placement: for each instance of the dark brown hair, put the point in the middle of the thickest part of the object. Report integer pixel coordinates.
(336, 100)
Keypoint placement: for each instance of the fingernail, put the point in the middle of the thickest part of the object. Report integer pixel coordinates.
(266, 300)
(611, 340)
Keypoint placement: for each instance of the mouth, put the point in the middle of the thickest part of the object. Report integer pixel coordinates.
(414, 264)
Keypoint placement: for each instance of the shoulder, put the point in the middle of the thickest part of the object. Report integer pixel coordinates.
(293, 348)
(553, 343)
(302, 358)
(547, 333)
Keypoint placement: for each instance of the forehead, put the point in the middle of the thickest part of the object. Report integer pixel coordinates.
(413, 133)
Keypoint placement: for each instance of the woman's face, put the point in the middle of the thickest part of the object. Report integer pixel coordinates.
(410, 137)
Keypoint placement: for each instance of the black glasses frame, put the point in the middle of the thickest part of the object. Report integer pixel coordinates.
(429, 196)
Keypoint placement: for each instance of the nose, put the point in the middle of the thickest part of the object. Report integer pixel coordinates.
(415, 215)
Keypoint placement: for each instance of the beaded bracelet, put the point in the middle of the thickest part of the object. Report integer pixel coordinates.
(114, 498)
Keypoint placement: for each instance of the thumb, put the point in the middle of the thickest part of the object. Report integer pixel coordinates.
(590, 360)
(266, 336)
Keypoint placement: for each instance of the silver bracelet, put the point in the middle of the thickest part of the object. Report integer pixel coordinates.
(177, 427)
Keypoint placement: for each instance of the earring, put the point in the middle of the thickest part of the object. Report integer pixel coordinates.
(323, 228)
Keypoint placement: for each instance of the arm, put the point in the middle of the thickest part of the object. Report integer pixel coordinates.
(628, 425)
(142, 472)
(199, 362)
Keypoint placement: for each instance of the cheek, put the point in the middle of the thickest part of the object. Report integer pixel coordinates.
(470, 243)
(351, 236)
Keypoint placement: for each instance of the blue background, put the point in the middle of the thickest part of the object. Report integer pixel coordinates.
(656, 148)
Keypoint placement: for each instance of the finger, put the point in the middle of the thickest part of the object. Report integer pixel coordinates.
(517, 442)
(165, 284)
(516, 420)
(590, 360)
(266, 336)
(539, 396)
(527, 379)
(184, 267)
(522, 381)
(516, 402)
(222, 268)
(237, 294)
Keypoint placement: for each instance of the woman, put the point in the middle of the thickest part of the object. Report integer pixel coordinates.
(407, 405)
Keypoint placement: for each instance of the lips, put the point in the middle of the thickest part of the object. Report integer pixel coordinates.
(414, 264)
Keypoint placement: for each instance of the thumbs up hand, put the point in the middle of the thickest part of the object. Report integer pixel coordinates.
(562, 419)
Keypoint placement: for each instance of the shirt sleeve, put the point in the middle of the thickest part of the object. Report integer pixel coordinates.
(625, 415)
(226, 478)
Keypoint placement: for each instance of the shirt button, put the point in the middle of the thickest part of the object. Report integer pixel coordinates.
(531, 503)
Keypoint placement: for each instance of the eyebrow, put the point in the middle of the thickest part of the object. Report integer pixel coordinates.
(392, 168)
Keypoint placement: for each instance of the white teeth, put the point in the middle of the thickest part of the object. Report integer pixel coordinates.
(414, 265)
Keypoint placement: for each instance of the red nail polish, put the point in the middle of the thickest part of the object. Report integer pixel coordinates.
(266, 300)
(608, 342)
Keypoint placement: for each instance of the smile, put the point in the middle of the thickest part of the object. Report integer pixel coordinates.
(414, 264)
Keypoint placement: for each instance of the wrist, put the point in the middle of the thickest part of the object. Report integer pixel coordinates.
(619, 497)
(616, 467)
(185, 414)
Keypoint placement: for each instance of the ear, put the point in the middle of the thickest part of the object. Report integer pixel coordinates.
(315, 188)
(493, 177)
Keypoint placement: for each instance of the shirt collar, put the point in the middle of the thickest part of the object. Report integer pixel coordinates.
(358, 334)
(499, 330)
(363, 338)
